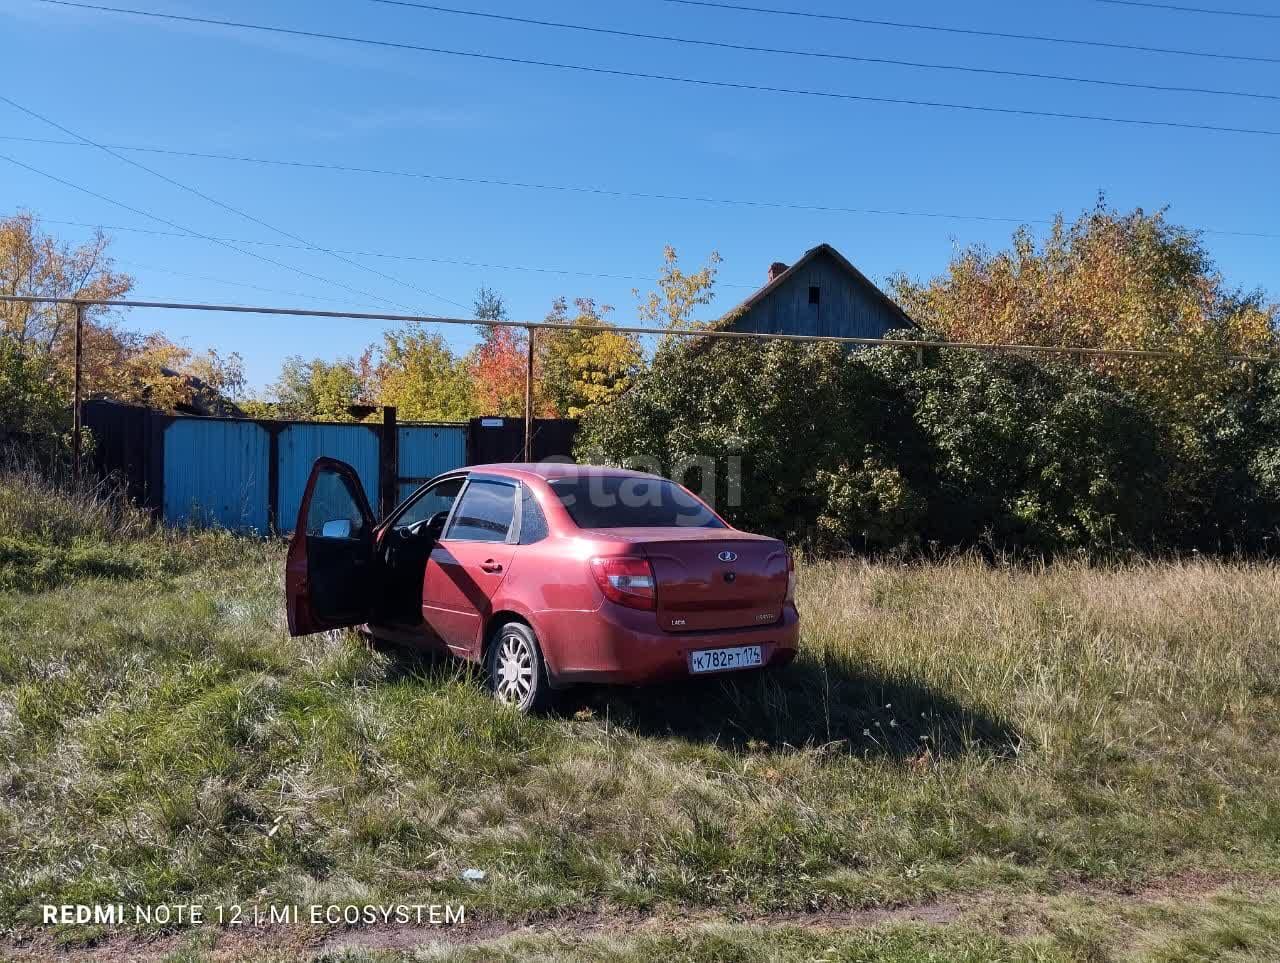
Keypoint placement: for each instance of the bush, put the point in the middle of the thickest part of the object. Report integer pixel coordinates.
(880, 450)
(1226, 492)
(33, 413)
(809, 430)
(1029, 456)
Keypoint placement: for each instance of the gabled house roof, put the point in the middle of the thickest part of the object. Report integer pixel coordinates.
(777, 280)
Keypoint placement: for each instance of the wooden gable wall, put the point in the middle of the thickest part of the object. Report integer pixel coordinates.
(846, 307)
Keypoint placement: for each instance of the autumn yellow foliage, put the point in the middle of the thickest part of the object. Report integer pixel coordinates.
(116, 362)
(1106, 280)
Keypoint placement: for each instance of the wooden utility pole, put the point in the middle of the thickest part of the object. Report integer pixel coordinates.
(77, 418)
(528, 399)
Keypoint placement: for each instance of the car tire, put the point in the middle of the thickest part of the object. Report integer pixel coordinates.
(516, 671)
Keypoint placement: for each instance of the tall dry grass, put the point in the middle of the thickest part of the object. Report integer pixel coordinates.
(1156, 643)
(59, 511)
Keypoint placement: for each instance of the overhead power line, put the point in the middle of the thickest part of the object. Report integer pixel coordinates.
(227, 281)
(383, 254)
(529, 185)
(973, 32)
(191, 231)
(223, 205)
(581, 189)
(851, 58)
(1181, 9)
(672, 78)
(697, 333)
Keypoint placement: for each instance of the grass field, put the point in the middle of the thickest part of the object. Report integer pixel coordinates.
(1066, 763)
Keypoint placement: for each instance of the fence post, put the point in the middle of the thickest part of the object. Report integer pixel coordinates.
(77, 401)
(273, 429)
(389, 462)
(528, 400)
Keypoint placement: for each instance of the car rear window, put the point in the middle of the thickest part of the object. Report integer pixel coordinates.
(623, 501)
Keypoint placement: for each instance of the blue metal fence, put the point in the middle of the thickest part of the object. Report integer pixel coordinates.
(216, 473)
(426, 451)
(301, 445)
(250, 475)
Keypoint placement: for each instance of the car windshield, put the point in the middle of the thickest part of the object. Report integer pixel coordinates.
(631, 501)
(436, 499)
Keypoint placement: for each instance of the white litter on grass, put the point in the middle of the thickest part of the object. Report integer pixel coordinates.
(474, 875)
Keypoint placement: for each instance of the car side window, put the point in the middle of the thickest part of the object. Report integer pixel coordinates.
(485, 513)
(437, 498)
(533, 523)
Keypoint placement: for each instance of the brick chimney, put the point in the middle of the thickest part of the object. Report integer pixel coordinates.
(776, 270)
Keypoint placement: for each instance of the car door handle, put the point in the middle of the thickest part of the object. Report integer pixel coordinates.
(489, 565)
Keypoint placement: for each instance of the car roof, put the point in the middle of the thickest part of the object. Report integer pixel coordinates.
(551, 470)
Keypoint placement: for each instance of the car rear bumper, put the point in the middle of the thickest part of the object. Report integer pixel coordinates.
(625, 646)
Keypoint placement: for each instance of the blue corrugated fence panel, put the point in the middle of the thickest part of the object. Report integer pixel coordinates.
(301, 445)
(429, 450)
(216, 473)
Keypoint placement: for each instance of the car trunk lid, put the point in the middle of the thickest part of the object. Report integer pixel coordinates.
(710, 579)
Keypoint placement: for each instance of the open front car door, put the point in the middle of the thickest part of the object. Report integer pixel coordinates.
(329, 574)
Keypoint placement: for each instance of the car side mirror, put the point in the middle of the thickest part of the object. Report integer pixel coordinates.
(336, 528)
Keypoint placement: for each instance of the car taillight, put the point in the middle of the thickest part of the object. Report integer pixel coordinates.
(626, 580)
(791, 578)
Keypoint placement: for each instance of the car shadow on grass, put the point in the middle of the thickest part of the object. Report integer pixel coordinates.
(805, 706)
(411, 664)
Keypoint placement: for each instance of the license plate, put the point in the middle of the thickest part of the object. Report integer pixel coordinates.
(725, 660)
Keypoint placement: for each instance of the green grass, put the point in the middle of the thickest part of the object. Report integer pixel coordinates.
(50, 536)
(950, 728)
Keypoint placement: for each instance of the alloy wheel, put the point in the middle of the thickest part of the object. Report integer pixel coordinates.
(513, 671)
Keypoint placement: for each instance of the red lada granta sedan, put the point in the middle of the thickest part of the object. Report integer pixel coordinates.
(548, 574)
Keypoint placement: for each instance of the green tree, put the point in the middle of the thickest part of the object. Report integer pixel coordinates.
(317, 390)
(34, 420)
(679, 294)
(581, 370)
(223, 374)
(769, 419)
(1026, 455)
(259, 408)
(415, 371)
(489, 305)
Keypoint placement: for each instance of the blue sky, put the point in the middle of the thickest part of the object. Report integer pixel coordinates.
(124, 80)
